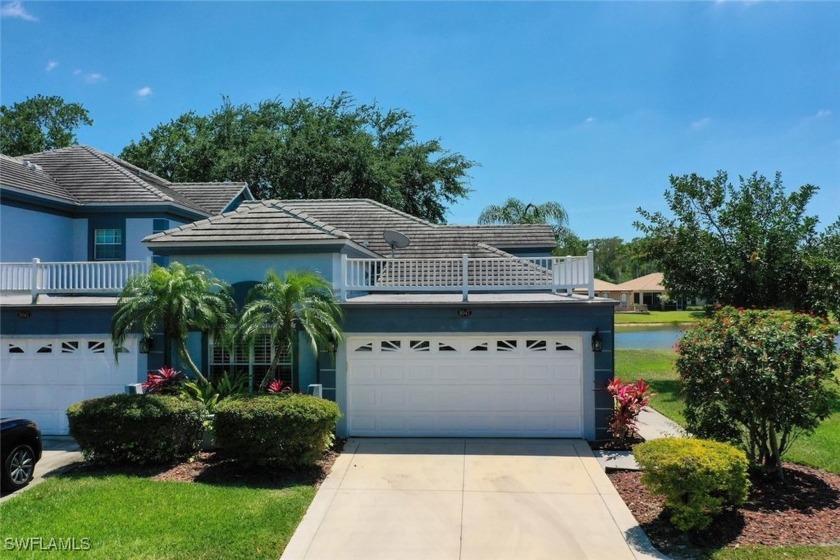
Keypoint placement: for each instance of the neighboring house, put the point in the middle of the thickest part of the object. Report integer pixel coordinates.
(467, 331)
(644, 293)
(82, 213)
(603, 289)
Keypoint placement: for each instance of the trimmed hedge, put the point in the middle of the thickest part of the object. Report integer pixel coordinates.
(285, 430)
(697, 477)
(146, 429)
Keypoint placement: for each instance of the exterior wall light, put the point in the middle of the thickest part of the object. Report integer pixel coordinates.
(597, 341)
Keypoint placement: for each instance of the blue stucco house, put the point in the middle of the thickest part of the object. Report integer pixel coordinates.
(72, 222)
(464, 331)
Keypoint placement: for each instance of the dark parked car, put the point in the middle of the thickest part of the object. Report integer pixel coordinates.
(20, 447)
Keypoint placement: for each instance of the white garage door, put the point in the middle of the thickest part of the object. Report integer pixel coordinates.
(467, 386)
(41, 377)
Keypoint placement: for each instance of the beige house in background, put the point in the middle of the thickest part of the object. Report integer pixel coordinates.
(643, 291)
(638, 294)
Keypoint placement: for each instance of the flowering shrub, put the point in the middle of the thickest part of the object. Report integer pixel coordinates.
(165, 381)
(630, 399)
(757, 379)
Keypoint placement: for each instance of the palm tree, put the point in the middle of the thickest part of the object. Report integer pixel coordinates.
(514, 211)
(280, 307)
(178, 297)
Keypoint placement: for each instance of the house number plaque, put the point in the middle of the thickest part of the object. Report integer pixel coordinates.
(464, 313)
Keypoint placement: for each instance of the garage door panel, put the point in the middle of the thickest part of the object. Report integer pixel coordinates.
(526, 386)
(41, 385)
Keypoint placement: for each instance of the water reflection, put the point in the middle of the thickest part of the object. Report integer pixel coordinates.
(659, 337)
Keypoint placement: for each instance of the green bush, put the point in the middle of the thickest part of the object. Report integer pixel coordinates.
(696, 477)
(285, 430)
(146, 429)
(757, 379)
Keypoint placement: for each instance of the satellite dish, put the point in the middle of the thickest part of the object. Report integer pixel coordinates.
(395, 240)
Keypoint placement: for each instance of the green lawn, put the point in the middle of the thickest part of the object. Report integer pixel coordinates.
(777, 553)
(138, 518)
(656, 367)
(658, 317)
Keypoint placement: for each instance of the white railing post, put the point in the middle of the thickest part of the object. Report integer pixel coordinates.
(35, 279)
(590, 262)
(465, 269)
(342, 279)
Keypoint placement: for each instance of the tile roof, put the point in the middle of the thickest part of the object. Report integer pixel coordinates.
(649, 283)
(22, 175)
(214, 198)
(88, 176)
(261, 222)
(366, 220)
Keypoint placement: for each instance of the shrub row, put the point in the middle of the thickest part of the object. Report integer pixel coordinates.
(286, 430)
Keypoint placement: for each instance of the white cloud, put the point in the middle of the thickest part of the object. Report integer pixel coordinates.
(15, 9)
(51, 65)
(701, 124)
(144, 91)
(589, 120)
(822, 113)
(90, 77)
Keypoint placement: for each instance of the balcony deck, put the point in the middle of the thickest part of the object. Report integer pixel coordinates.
(68, 278)
(466, 275)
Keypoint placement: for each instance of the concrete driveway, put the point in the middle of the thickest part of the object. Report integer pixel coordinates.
(467, 499)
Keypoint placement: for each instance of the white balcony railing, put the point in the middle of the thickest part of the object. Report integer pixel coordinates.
(36, 277)
(465, 275)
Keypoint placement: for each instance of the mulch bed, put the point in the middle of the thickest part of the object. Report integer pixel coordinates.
(211, 467)
(803, 510)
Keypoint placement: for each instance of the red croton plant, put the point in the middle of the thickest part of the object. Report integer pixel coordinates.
(630, 399)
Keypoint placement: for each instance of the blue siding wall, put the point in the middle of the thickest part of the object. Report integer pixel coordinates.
(235, 268)
(44, 320)
(25, 234)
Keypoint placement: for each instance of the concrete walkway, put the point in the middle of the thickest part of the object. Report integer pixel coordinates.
(652, 425)
(58, 453)
(467, 499)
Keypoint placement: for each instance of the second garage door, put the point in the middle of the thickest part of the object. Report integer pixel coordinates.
(465, 386)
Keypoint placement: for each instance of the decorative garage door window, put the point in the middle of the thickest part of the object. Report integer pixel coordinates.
(238, 359)
(34, 347)
(507, 345)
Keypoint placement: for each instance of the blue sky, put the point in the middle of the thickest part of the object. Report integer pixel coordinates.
(592, 105)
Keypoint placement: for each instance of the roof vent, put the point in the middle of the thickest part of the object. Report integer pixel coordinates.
(30, 165)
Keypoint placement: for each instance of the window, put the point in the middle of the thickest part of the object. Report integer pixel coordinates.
(107, 244)
(254, 362)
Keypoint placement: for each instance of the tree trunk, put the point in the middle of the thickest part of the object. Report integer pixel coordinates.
(275, 361)
(777, 460)
(185, 355)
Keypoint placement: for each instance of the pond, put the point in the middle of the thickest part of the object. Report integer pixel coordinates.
(660, 337)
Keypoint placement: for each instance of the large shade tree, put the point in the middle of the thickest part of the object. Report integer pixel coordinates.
(307, 149)
(750, 245)
(40, 123)
(282, 306)
(178, 298)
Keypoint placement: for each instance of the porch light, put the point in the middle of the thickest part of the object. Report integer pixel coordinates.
(597, 341)
(146, 344)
